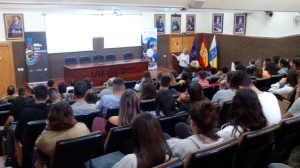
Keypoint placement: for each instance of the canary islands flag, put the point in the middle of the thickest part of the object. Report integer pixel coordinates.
(203, 55)
(213, 54)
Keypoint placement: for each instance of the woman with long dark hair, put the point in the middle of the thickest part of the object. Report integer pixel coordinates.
(150, 146)
(245, 115)
(147, 78)
(270, 69)
(148, 91)
(165, 104)
(129, 108)
(290, 82)
(202, 123)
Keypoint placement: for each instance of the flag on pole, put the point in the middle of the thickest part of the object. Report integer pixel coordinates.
(203, 55)
(193, 54)
(213, 53)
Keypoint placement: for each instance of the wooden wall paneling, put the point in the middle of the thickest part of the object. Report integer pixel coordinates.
(175, 39)
(163, 50)
(7, 70)
(20, 62)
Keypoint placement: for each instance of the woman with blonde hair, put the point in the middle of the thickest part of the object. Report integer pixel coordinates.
(183, 58)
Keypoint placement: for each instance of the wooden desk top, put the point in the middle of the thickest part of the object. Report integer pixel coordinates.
(97, 64)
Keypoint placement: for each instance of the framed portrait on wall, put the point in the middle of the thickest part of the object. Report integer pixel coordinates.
(217, 22)
(14, 26)
(190, 23)
(159, 22)
(175, 23)
(239, 24)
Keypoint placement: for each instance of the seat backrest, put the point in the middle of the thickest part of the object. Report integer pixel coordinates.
(287, 138)
(208, 92)
(168, 123)
(70, 60)
(184, 86)
(255, 147)
(175, 86)
(73, 153)
(250, 70)
(213, 80)
(32, 130)
(3, 116)
(172, 163)
(4, 107)
(71, 91)
(216, 89)
(98, 58)
(275, 78)
(71, 101)
(128, 55)
(262, 82)
(129, 84)
(217, 156)
(11, 100)
(147, 105)
(119, 139)
(111, 111)
(224, 112)
(110, 57)
(84, 59)
(87, 118)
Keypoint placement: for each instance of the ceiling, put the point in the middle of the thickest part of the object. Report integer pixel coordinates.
(153, 5)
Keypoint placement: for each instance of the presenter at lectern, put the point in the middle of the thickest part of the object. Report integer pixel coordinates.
(183, 59)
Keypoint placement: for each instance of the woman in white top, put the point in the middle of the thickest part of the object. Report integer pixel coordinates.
(184, 59)
(245, 114)
(202, 124)
(150, 146)
(290, 81)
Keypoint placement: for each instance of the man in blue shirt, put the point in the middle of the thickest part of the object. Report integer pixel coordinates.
(112, 99)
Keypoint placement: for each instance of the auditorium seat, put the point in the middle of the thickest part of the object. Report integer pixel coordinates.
(111, 111)
(98, 58)
(184, 86)
(175, 86)
(11, 100)
(87, 118)
(119, 139)
(110, 57)
(262, 83)
(73, 153)
(129, 84)
(168, 123)
(287, 138)
(275, 78)
(128, 55)
(223, 113)
(216, 88)
(4, 107)
(84, 59)
(147, 105)
(213, 80)
(3, 116)
(217, 156)
(255, 148)
(70, 60)
(172, 163)
(32, 130)
(208, 92)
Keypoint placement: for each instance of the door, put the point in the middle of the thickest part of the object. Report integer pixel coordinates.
(7, 70)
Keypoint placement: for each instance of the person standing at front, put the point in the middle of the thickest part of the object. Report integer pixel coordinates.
(183, 59)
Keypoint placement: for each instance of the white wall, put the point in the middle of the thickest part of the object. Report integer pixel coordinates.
(258, 23)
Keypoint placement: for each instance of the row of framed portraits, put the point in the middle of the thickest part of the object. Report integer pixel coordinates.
(239, 26)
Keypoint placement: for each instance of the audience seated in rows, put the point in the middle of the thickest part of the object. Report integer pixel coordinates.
(37, 111)
(89, 84)
(223, 94)
(245, 115)
(147, 78)
(296, 64)
(241, 67)
(173, 81)
(22, 92)
(251, 63)
(54, 96)
(294, 110)
(62, 89)
(202, 121)
(185, 77)
(201, 78)
(195, 94)
(258, 71)
(259, 62)
(108, 90)
(265, 62)
(222, 72)
(91, 96)
(195, 79)
(284, 67)
(60, 125)
(290, 82)
(165, 82)
(174, 73)
(50, 83)
(213, 73)
(10, 93)
(148, 91)
(112, 99)
(158, 77)
(72, 84)
(150, 146)
(128, 109)
(81, 105)
(165, 104)
(268, 101)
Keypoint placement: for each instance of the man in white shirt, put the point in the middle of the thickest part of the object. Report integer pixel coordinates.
(268, 101)
(184, 60)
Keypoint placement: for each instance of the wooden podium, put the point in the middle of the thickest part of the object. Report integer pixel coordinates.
(174, 63)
